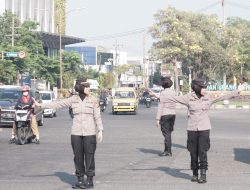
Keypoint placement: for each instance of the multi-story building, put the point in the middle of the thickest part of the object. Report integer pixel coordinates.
(50, 14)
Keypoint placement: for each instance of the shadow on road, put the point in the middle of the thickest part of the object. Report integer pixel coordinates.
(170, 171)
(65, 177)
(152, 151)
(149, 151)
(242, 155)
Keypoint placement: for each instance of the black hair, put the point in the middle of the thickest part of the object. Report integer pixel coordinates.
(166, 82)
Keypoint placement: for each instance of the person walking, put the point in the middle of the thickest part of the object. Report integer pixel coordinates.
(198, 129)
(87, 124)
(165, 117)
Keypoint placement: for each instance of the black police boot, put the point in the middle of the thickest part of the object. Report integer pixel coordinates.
(79, 184)
(165, 153)
(89, 183)
(203, 178)
(195, 175)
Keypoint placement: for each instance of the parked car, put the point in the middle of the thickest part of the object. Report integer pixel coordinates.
(48, 96)
(9, 96)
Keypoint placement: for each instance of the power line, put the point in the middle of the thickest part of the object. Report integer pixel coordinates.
(209, 6)
(117, 35)
(238, 5)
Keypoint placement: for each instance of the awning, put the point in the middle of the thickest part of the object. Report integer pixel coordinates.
(52, 40)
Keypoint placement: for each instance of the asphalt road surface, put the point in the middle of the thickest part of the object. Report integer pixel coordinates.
(128, 157)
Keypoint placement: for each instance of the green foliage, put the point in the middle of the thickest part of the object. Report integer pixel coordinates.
(106, 80)
(202, 42)
(35, 62)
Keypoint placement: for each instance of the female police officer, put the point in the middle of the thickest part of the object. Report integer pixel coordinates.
(198, 129)
(166, 115)
(87, 120)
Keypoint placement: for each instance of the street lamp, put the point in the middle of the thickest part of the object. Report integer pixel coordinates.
(60, 40)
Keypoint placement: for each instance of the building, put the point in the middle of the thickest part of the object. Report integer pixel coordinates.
(50, 14)
(41, 11)
(92, 58)
(88, 54)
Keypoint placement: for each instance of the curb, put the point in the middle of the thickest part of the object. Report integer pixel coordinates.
(244, 107)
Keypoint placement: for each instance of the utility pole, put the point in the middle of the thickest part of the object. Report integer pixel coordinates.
(190, 77)
(176, 76)
(144, 62)
(117, 46)
(223, 21)
(116, 58)
(13, 35)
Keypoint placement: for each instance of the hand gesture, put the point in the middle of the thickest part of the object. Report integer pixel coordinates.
(158, 123)
(35, 102)
(100, 136)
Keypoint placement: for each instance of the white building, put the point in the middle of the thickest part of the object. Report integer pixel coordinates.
(119, 57)
(41, 11)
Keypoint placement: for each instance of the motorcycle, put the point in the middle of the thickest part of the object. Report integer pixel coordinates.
(23, 124)
(148, 102)
(103, 104)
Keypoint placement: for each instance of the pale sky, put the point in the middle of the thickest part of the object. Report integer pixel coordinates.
(105, 18)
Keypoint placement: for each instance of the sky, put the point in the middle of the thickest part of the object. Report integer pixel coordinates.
(121, 23)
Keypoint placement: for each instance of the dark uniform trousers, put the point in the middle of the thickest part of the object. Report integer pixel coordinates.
(167, 126)
(84, 154)
(198, 144)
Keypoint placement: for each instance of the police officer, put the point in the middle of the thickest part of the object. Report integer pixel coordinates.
(86, 122)
(166, 115)
(198, 129)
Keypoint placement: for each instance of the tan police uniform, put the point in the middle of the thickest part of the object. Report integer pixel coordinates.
(86, 122)
(198, 124)
(166, 116)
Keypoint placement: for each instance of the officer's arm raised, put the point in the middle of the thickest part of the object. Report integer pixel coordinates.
(58, 104)
(177, 99)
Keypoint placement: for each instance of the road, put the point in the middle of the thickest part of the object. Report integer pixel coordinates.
(128, 158)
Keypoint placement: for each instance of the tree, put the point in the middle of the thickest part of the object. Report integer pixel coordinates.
(193, 39)
(121, 69)
(106, 80)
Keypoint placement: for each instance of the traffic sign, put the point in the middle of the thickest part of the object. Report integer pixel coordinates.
(21, 54)
(11, 54)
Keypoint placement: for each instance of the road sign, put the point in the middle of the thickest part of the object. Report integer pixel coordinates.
(21, 54)
(11, 54)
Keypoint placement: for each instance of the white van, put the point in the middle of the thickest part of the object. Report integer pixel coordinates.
(48, 96)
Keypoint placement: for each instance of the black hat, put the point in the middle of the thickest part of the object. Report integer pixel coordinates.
(82, 81)
(200, 82)
(166, 82)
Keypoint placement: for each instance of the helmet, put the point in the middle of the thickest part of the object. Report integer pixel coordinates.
(25, 88)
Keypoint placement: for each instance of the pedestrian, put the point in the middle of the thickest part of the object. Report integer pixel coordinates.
(26, 99)
(165, 117)
(87, 124)
(198, 129)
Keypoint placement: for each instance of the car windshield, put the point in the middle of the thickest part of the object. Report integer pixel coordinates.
(124, 94)
(45, 96)
(9, 94)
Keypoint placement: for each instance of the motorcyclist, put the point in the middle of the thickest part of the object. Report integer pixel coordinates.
(26, 99)
(103, 98)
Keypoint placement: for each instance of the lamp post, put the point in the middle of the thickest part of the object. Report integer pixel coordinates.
(60, 40)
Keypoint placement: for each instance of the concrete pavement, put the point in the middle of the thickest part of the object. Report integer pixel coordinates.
(128, 158)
